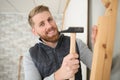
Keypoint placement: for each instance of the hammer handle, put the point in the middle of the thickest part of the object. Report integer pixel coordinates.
(72, 43)
(72, 47)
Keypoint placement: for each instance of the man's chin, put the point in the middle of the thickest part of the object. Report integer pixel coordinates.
(53, 39)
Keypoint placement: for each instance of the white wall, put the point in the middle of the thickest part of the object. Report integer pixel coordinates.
(76, 16)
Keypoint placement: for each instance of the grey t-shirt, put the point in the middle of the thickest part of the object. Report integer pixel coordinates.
(31, 72)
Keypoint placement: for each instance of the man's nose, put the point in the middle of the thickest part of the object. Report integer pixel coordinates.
(48, 25)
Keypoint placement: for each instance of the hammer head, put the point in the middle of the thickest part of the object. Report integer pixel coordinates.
(73, 30)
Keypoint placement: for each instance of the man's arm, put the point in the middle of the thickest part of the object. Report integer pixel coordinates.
(85, 53)
(30, 70)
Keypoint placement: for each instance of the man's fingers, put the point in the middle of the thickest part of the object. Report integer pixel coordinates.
(72, 56)
(94, 34)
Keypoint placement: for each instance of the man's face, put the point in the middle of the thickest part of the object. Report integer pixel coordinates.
(45, 27)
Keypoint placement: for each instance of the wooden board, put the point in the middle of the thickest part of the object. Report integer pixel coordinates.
(103, 49)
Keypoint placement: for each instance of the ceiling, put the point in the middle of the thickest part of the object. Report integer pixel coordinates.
(24, 6)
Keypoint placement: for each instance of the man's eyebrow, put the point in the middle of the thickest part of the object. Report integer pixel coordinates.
(41, 22)
(49, 17)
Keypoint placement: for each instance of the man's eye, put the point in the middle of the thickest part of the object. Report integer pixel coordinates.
(50, 19)
(42, 24)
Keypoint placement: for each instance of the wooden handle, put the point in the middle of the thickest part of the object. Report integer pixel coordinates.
(72, 47)
(72, 43)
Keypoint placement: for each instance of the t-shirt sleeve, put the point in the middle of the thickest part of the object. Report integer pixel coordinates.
(85, 53)
(30, 70)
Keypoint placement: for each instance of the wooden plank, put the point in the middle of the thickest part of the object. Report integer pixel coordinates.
(103, 49)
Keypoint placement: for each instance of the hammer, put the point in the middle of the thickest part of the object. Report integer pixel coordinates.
(73, 31)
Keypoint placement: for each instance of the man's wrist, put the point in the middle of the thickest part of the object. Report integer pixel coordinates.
(57, 76)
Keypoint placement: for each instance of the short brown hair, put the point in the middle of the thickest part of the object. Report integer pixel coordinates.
(35, 11)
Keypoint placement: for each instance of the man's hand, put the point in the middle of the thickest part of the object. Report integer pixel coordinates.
(94, 34)
(68, 68)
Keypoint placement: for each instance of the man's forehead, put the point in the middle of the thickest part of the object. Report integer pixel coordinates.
(42, 16)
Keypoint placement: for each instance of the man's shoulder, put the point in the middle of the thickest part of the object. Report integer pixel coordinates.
(78, 40)
(34, 47)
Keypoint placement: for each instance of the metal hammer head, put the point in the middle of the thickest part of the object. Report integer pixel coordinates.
(73, 30)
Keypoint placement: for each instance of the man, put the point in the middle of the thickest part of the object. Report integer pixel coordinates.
(49, 59)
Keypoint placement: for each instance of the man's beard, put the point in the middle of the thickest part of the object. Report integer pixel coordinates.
(51, 39)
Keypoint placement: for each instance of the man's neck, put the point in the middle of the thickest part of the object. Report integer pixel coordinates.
(51, 44)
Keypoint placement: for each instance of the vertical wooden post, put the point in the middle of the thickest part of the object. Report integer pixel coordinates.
(67, 3)
(19, 67)
(103, 48)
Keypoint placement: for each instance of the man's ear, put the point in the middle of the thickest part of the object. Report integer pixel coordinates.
(34, 31)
